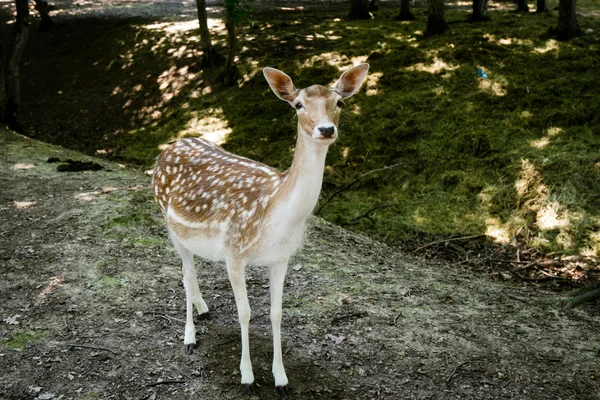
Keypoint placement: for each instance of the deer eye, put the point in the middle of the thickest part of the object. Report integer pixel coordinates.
(340, 104)
(298, 105)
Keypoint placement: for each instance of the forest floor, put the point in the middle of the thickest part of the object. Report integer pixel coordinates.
(92, 301)
(93, 307)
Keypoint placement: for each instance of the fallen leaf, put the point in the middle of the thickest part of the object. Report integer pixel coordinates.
(335, 338)
(12, 320)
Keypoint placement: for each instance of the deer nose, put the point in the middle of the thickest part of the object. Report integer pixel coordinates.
(327, 131)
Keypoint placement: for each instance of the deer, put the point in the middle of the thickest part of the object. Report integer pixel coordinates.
(224, 207)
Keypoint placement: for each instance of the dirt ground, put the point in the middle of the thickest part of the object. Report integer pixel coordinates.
(93, 307)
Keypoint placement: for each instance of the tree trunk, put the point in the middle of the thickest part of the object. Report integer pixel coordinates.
(10, 68)
(522, 6)
(209, 54)
(359, 9)
(480, 11)
(436, 20)
(568, 28)
(374, 5)
(230, 68)
(46, 24)
(541, 6)
(405, 14)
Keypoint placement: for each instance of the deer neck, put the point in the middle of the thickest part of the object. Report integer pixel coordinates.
(304, 179)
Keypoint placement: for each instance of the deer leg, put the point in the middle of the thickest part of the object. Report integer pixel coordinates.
(236, 271)
(277, 277)
(192, 295)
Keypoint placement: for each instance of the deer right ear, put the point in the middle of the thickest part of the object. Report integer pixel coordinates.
(280, 84)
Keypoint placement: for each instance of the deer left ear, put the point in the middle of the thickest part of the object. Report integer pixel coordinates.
(351, 80)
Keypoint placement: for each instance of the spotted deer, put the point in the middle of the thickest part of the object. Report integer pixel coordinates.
(224, 207)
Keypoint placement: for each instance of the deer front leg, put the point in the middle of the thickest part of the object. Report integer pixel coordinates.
(237, 276)
(277, 277)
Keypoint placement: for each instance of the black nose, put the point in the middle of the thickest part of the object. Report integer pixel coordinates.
(327, 131)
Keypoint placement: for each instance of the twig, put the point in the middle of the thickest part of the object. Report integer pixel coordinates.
(167, 382)
(366, 214)
(593, 294)
(449, 240)
(348, 186)
(456, 369)
(85, 346)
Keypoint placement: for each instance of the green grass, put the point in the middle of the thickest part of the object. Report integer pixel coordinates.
(21, 339)
(515, 156)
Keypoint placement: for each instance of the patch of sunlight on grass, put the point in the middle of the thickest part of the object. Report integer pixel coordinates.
(496, 86)
(334, 59)
(550, 216)
(540, 143)
(209, 124)
(553, 131)
(526, 114)
(173, 80)
(508, 41)
(496, 231)
(214, 24)
(435, 67)
(551, 44)
(371, 83)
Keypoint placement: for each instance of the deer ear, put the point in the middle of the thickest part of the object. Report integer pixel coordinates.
(351, 80)
(280, 84)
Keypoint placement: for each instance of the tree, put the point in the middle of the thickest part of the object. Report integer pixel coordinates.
(359, 9)
(46, 24)
(209, 54)
(568, 27)
(10, 90)
(234, 13)
(480, 11)
(522, 6)
(436, 20)
(405, 14)
(541, 6)
(373, 5)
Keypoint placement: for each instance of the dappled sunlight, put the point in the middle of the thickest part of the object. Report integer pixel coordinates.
(173, 80)
(495, 86)
(496, 231)
(214, 24)
(209, 124)
(552, 216)
(23, 166)
(334, 59)
(22, 205)
(508, 41)
(545, 141)
(436, 66)
(550, 45)
(371, 83)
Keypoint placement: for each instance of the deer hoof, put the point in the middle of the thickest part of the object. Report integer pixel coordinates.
(249, 389)
(189, 348)
(283, 391)
(205, 316)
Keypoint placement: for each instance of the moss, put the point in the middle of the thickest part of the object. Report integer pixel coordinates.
(21, 339)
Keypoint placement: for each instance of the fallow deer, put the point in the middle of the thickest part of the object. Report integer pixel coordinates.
(224, 207)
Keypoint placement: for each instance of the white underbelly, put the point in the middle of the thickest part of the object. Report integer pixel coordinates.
(207, 248)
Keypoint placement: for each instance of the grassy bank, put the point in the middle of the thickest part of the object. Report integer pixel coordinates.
(515, 156)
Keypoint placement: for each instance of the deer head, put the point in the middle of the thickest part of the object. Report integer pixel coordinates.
(318, 107)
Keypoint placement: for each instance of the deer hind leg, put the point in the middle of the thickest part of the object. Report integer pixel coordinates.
(193, 297)
(277, 277)
(236, 270)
